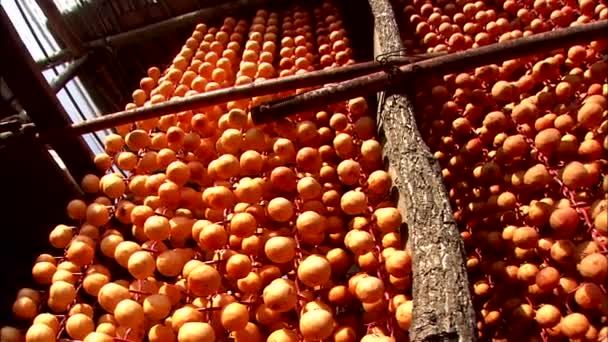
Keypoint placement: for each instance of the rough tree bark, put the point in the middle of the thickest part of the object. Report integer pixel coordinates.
(442, 303)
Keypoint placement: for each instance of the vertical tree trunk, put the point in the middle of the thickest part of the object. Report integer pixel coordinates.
(443, 310)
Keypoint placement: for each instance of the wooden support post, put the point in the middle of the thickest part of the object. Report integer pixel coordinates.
(443, 310)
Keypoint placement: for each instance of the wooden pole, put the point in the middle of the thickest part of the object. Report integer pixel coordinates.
(360, 85)
(443, 310)
(311, 79)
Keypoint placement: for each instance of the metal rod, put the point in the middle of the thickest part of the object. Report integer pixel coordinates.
(158, 29)
(69, 73)
(38, 99)
(455, 62)
(58, 24)
(270, 86)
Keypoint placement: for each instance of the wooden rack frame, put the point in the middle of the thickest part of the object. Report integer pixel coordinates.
(442, 303)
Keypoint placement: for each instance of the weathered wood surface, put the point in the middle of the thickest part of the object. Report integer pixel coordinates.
(442, 302)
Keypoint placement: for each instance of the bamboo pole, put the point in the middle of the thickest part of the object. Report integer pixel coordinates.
(311, 79)
(451, 63)
(361, 85)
